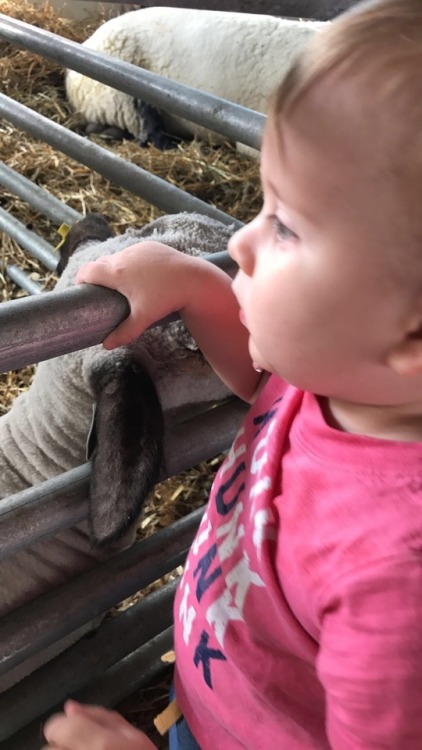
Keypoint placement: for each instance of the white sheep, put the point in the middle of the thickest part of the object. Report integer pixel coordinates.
(236, 56)
(45, 432)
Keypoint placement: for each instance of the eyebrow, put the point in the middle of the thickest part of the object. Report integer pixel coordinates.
(288, 208)
(274, 190)
(272, 187)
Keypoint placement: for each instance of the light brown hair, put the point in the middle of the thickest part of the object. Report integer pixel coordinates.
(380, 39)
(377, 45)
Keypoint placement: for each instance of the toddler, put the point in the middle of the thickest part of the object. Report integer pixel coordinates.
(298, 619)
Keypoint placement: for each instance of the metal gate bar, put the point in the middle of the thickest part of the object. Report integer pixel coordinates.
(121, 172)
(23, 280)
(36, 246)
(36, 328)
(117, 683)
(116, 637)
(61, 502)
(231, 120)
(37, 197)
(40, 623)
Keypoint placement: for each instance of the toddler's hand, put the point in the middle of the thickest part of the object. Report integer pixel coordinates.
(93, 728)
(156, 279)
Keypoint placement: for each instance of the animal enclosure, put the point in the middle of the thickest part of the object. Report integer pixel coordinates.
(51, 173)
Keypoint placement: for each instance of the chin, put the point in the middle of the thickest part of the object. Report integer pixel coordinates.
(257, 361)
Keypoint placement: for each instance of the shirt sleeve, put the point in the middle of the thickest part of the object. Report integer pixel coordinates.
(370, 658)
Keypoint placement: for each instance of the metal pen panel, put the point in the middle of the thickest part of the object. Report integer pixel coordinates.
(121, 172)
(37, 197)
(231, 120)
(86, 660)
(61, 502)
(36, 625)
(36, 246)
(121, 680)
(23, 280)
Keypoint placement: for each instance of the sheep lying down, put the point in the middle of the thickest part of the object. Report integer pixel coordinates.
(236, 56)
(137, 390)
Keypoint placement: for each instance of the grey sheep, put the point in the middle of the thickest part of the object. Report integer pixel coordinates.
(137, 389)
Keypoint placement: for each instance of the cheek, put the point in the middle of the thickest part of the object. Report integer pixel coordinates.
(300, 315)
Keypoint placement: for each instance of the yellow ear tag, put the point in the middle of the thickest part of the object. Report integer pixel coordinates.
(63, 231)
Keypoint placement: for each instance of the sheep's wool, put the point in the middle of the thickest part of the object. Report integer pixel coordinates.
(236, 56)
(45, 431)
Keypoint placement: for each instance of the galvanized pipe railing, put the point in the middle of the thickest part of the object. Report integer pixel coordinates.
(38, 624)
(23, 280)
(114, 640)
(37, 328)
(233, 121)
(62, 501)
(47, 325)
(114, 685)
(43, 201)
(121, 172)
(37, 197)
(58, 212)
(36, 246)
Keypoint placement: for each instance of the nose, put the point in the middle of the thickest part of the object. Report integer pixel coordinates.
(241, 249)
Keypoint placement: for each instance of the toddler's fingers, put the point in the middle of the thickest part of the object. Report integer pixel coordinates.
(104, 716)
(77, 732)
(98, 272)
(125, 333)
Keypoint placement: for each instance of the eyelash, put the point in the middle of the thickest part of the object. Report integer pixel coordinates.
(283, 232)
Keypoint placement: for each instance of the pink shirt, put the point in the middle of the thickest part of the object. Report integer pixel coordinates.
(298, 620)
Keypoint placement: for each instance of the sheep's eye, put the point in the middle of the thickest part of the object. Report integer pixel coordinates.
(283, 232)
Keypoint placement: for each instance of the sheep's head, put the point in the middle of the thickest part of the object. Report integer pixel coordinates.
(93, 227)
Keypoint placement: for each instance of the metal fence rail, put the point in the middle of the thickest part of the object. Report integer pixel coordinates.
(109, 687)
(61, 502)
(35, 246)
(116, 683)
(37, 197)
(28, 630)
(37, 624)
(233, 121)
(37, 328)
(135, 179)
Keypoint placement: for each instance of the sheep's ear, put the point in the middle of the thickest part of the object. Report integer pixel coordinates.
(92, 227)
(127, 458)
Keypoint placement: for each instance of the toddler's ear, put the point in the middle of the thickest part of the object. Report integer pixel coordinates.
(406, 358)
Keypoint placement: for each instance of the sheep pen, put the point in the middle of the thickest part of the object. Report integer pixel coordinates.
(218, 175)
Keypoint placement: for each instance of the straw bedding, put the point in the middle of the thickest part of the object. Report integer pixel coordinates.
(219, 175)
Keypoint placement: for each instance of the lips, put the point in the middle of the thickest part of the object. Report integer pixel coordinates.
(242, 317)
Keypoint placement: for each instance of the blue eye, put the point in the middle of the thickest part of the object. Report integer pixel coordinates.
(283, 232)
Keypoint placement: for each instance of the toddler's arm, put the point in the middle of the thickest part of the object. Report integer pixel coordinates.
(93, 728)
(158, 280)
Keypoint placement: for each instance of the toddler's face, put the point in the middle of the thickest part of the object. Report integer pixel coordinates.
(314, 286)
